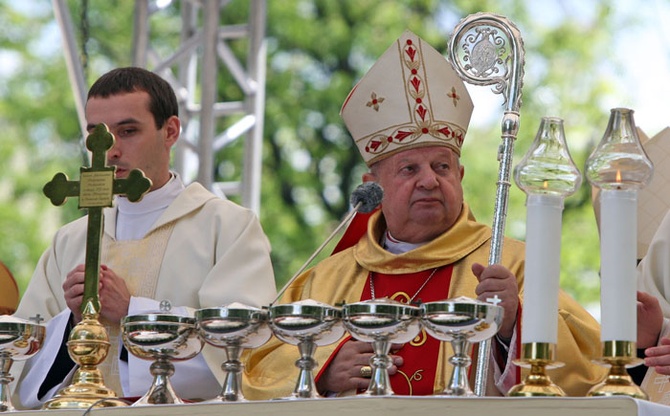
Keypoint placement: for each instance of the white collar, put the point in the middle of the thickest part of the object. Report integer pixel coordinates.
(396, 246)
(157, 199)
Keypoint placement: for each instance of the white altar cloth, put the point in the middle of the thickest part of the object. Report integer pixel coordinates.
(393, 406)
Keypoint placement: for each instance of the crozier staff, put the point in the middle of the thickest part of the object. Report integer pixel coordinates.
(408, 116)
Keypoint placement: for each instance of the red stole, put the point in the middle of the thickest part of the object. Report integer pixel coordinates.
(417, 375)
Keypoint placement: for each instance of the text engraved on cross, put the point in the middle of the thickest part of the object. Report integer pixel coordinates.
(96, 190)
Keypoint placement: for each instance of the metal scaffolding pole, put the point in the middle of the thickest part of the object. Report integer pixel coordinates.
(193, 69)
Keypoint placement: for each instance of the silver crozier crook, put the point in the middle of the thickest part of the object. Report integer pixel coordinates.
(487, 49)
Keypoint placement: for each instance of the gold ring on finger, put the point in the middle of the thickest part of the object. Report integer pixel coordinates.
(365, 371)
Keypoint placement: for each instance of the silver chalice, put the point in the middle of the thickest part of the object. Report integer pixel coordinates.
(233, 327)
(161, 338)
(19, 340)
(307, 324)
(381, 322)
(461, 321)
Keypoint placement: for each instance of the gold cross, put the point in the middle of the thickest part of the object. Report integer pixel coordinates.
(96, 190)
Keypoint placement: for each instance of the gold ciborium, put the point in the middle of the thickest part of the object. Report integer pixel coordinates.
(307, 324)
(88, 346)
(234, 328)
(161, 338)
(19, 340)
(381, 322)
(461, 321)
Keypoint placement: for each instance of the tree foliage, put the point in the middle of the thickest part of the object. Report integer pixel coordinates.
(317, 50)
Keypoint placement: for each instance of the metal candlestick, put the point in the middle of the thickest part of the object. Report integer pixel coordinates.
(539, 357)
(618, 355)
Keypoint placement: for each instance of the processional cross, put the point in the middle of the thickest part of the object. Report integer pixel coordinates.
(96, 190)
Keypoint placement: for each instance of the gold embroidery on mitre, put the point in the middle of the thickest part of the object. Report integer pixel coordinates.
(374, 101)
(406, 135)
(454, 96)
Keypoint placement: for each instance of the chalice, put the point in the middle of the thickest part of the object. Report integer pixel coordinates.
(19, 340)
(233, 327)
(461, 321)
(307, 324)
(381, 322)
(161, 338)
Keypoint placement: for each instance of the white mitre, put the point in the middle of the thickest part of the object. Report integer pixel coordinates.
(411, 97)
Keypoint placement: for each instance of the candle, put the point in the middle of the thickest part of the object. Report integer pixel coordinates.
(542, 268)
(618, 241)
(619, 167)
(547, 174)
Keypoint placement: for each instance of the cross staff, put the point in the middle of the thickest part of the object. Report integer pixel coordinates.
(96, 190)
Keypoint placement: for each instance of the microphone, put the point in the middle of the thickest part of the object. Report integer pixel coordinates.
(365, 198)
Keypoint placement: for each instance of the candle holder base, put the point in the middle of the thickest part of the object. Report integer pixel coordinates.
(539, 357)
(618, 355)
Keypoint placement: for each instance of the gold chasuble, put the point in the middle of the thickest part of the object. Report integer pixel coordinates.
(139, 263)
(345, 277)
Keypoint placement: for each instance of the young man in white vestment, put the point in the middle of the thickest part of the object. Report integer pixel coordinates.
(179, 243)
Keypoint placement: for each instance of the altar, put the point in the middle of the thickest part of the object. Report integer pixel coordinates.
(394, 406)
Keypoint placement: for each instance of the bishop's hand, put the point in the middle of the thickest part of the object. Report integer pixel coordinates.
(344, 371)
(496, 280)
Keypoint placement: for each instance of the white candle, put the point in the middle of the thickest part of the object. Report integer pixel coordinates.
(542, 269)
(618, 241)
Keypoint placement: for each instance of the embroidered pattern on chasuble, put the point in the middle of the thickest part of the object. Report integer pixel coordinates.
(417, 374)
(657, 386)
(138, 262)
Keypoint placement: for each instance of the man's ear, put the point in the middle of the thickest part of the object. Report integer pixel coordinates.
(369, 177)
(173, 130)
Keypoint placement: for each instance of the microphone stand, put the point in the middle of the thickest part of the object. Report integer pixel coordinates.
(302, 268)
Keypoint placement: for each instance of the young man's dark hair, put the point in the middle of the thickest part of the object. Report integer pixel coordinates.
(163, 103)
